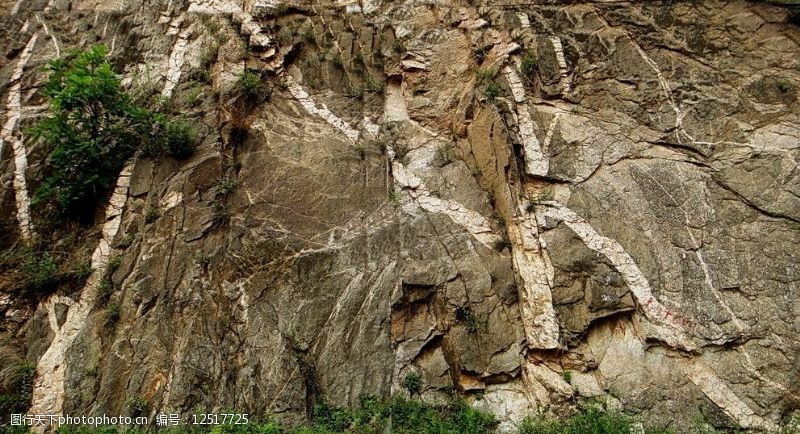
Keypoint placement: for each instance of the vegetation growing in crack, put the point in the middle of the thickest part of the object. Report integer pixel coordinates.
(412, 383)
(250, 87)
(528, 63)
(487, 80)
(93, 127)
(137, 406)
(111, 315)
(465, 316)
(152, 215)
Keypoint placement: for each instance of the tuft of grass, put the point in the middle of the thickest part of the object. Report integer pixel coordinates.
(152, 215)
(784, 85)
(251, 88)
(374, 86)
(82, 271)
(394, 196)
(492, 90)
(412, 383)
(137, 406)
(39, 271)
(18, 388)
(464, 315)
(355, 91)
(104, 291)
(112, 314)
(528, 63)
(567, 376)
(225, 187)
(545, 195)
(486, 76)
(113, 264)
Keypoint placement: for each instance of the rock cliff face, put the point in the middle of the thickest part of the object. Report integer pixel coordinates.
(529, 205)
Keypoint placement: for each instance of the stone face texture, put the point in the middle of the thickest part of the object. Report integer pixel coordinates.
(380, 197)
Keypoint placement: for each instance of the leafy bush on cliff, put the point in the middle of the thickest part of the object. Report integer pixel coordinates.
(94, 126)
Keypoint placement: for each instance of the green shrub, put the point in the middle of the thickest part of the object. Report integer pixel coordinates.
(82, 271)
(405, 416)
(112, 314)
(464, 315)
(93, 127)
(113, 264)
(336, 59)
(492, 90)
(567, 376)
(225, 187)
(784, 85)
(180, 139)
(104, 290)
(528, 64)
(355, 91)
(152, 215)
(588, 421)
(485, 76)
(39, 271)
(137, 406)
(251, 88)
(412, 383)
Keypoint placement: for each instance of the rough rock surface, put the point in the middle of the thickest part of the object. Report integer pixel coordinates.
(626, 210)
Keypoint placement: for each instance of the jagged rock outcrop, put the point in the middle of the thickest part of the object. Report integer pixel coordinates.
(488, 195)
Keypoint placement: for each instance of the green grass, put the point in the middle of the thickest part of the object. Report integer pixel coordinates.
(40, 271)
(464, 315)
(492, 90)
(152, 215)
(16, 395)
(225, 187)
(528, 64)
(111, 315)
(412, 383)
(372, 416)
(590, 420)
(250, 87)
